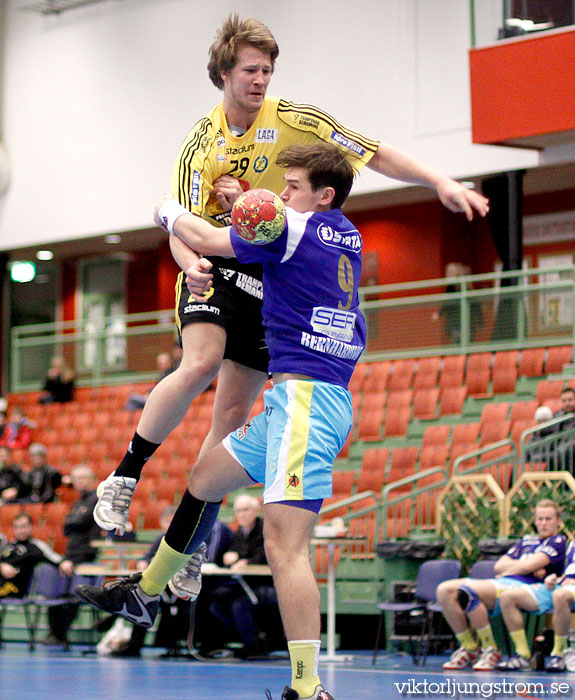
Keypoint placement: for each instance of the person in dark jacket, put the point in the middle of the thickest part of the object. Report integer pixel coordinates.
(12, 480)
(229, 603)
(80, 529)
(59, 384)
(42, 480)
(19, 557)
(174, 612)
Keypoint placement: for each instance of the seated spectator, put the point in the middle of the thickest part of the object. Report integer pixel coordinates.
(12, 479)
(20, 555)
(520, 574)
(3, 427)
(59, 383)
(537, 452)
(165, 366)
(562, 658)
(229, 602)
(565, 448)
(80, 529)
(18, 433)
(3, 404)
(42, 480)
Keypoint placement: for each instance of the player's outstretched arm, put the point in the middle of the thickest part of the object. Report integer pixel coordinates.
(196, 233)
(400, 165)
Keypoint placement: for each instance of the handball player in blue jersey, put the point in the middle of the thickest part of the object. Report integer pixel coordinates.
(518, 585)
(315, 333)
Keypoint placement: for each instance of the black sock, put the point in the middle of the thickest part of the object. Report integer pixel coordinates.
(139, 452)
(191, 524)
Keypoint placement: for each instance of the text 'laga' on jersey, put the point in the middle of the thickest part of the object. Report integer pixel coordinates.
(346, 240)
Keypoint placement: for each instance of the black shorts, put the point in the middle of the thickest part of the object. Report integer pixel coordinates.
(236, 310)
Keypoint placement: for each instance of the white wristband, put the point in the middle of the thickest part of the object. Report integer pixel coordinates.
(169, 212)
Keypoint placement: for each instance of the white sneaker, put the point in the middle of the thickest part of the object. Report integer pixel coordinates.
(514, 663)
(488, 660)
(113, 505)
(461, 658)
(187, 582)
(569, 658)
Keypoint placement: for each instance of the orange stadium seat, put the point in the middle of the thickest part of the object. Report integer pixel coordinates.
(358, 377)
(427, 373)
(494, 412)
(436, 435)
(548, 389)
(433, 456)
(452, 371)
(396, 421)
(504, 380)
(377, 378)
(523, 410)
(401, 375)
(557, 357)
(531, 362)
(425, 403)
(452, 400)
(494, 431)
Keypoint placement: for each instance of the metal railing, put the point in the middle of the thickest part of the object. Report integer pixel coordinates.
(503, 311)
(551, 445)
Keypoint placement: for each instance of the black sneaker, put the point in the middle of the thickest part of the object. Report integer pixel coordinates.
(124, 597)
(291, 694)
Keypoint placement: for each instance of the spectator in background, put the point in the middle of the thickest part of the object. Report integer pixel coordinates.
(537, 452)
(80, 529)
(565, 446)
(19, 557)
(450, 311)
(165, 365)
(229, 602)
(18, 433)
(3, 426)
(12, 479)
(42, 480)
(59, 382)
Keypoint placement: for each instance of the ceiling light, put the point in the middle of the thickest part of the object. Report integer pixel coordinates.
(22, 271)
(44, 255)
(113, 238)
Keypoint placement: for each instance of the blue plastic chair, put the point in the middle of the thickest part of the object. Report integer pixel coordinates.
(430, 575)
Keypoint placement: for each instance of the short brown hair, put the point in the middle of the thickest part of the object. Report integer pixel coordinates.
(233, 34)
(326, 166)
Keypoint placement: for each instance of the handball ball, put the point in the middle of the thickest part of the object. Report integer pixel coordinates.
(259, 216)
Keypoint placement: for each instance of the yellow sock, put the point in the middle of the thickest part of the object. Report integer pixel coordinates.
(520, 640)
(304, 655)
(560, 645)
(467, 640)
(164, 565)
(486, 638)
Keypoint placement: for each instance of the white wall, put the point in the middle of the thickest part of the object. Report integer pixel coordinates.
(98, 99)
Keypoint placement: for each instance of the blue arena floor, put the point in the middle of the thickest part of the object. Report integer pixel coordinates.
(57, 675)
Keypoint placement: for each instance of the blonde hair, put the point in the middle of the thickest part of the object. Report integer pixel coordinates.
(548, 503)
(232, 35)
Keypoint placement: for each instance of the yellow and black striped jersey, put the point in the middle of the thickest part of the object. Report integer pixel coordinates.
(211, 150)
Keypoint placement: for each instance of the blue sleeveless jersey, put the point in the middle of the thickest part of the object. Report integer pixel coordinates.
(311, 305)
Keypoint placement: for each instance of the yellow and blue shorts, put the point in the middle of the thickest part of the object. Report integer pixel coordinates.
(539, 591)
(290, 447)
